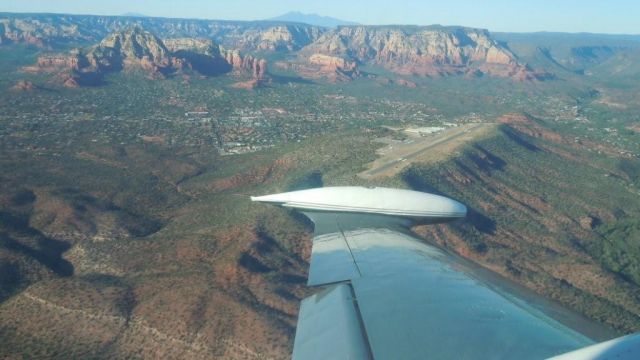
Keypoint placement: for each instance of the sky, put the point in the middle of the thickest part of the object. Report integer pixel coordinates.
(598, 16)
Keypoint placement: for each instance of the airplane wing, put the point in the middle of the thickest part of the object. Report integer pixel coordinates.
(384, 294)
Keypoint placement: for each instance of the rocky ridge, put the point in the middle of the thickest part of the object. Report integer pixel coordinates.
(137, 49)
(316, 66)
(37, 32)
(423, 51)
(47, 30)
(23, 85)
(279, 38)
(334, 54)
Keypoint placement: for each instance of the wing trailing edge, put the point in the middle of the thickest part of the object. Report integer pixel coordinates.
(329, 327)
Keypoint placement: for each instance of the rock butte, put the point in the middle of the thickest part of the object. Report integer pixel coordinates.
(135, 48)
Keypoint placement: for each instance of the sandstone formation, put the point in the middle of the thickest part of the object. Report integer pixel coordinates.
(332, 62)
(257, 67)
(316, 66)
(137, 49)
(23, 85)
(406, 83)
(34, 32)
(200, 46)
(422, 51)
(430, 51)
(286, 37)
(46, 30)
(54, 61)
(131, 49)
(71, 82)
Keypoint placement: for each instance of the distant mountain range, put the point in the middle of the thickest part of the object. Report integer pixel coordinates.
(335, 54)
(313, 52)
(312, 19)
(133, 14)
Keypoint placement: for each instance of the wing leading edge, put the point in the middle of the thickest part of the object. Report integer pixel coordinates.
(385, 294)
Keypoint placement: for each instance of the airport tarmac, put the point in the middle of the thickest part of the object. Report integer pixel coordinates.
(398, 154)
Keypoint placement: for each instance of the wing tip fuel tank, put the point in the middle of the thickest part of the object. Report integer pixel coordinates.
(378, 200)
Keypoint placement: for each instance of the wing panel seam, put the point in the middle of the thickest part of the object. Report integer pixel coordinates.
(363, 329)
(349, 247)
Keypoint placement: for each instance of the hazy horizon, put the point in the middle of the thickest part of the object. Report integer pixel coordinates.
(588, 16)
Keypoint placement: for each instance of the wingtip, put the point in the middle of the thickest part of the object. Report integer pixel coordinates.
(264, 199)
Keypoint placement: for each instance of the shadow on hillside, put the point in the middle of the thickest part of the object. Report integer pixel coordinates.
(265, 244)
(487, 161)
(204, 64)
(517, 138)
(48, 251)
(481, 222)
(22, 197)
(89, 79)
(271, 253)
(478, 220)
(285, 79)
(253, 264)
(308, 181)
(135, 224)
(10, 279)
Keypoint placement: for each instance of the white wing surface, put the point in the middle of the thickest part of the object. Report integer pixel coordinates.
(384, 294)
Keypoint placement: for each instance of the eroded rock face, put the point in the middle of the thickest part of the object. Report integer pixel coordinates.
(321, 66)
(23, 85)
(422, 51)
(71, 82)
(133, 48)
(406, 83)
(58, 61)
(130, 48)
(332, 62)
(34, 32)
(200, 46)
(257, 67)
(136, 48)
(287, 37)
(430, 51)
(47, 30)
